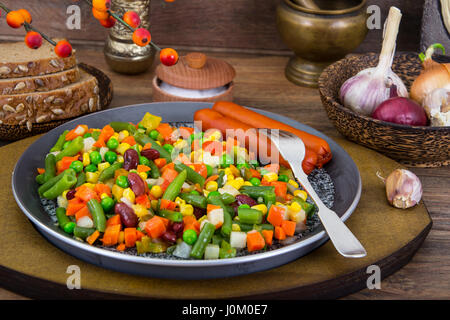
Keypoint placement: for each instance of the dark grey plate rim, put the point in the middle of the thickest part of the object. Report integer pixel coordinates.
(179, 263)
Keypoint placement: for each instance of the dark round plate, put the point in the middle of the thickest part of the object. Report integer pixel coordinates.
(342, 169)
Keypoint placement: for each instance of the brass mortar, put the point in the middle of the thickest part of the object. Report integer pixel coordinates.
(321, 36)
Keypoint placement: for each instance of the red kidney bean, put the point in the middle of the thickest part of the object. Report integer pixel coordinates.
(199, 212)
(80, 158)
(177, 227)
(150, 154)
(130, 159)
(127, 215)
(244, 199)
(169, 236)
(136, 184)
(70, 194)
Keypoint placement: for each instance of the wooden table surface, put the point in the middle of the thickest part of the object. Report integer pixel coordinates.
(260, 83)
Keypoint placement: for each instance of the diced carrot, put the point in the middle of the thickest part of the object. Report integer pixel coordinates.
(41, 170)
(165, 221)
(167, 205)
(130, 140)
(268, 236)
(121, 247)
(201, 169)
(130, 237)
(73, 206)
(147, 146)
(164, 185)
(214, 177)
(142, 168)
(115, 219)
(192, 226)
(288, 227)
(106, 133)
(168, 166)
(160, 162)
(155, 227)
(279, 233)
(273, 167)
(101, 188)
(255, 241)
(83, 212)
(91, 239)
(275, 216)
(143, 200)
(169, 174)
(85, 193)
(65, 163)
(214, 147)
(255, 173)
(183, 159)
(139, 235)
(189, 219)
(165, 130)
(280, 188)
(211, 207)
(79, 130)
(111, 235)
(186, 132)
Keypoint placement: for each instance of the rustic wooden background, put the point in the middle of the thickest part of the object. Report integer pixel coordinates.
(212, 25)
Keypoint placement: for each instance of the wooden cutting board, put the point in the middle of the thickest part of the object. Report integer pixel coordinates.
(31, 266)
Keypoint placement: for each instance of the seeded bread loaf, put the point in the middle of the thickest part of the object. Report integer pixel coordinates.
(17, 60)
(39, 83)
(39, 107)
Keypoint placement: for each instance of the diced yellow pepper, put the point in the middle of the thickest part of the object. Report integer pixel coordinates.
(86, 159)
(150, 122)
(301, 194)
(102, 166)
(156, 191)
(271, 177)
(122, 148)
(92, 177)
(120, 158)
(117, 191)
(129, 195)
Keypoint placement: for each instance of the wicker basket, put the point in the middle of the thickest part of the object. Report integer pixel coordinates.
(411, 145)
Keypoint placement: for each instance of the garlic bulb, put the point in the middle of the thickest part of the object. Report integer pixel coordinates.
(365, 91)
(403, 189)
(437, 106)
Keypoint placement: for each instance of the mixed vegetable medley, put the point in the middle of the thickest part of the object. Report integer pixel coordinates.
(136, 186)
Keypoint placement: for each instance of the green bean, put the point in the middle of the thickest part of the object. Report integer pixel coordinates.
(50, 183)
(98, 216)
(40, 179)
(227, 198)
(154, 170)
(266, 192)
(83, 233)
(249, 215)
(205, 236)
(197, 200)
(60, 142)
(75, 146)
(220, 180)
(50, 167)
(67, 181)
(174, 216)
(192, 176)
(309, 208)
(120, 126)
(143, 139)
(174, 187)
(81, 179)
(226, 251)
(264, 226)
(108, 173)
(243, 226)
(171, 249)
(63, 220)
(217, 239)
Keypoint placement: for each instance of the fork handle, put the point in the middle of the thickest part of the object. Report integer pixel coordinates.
(342, 238)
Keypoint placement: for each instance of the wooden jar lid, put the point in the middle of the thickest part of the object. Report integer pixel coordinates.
(197, 71)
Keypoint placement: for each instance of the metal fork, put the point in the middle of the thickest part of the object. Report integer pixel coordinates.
(292, 149)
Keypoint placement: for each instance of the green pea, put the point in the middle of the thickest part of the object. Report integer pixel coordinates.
(69, 227)
(195, 192)
(209, 170)
(87, 135)
(95, 157)
(144, 161)
(244, 205)
(122, 182)
(110, 156)
(190, 236)
(283, 177)
(168, 147)
(77, 166)
(90, 168)
(226, 160)
(255, 181)
(112, 143)
(153, 134)
(107, 204)
(66, 144)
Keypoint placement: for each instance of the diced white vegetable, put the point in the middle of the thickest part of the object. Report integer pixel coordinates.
(299, 216)
(211, 160)
(88, 144)
(285, 212)
(85, 222)
(62, 202)
(229, 189)
(216, 217)
(151, 182)
(182, 250)
(212, 251)
(102, 151)
(238, 239)
(300, 226)
(126, 201)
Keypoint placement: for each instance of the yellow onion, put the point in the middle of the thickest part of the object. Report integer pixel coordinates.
(437, 106)
(433, 76)
(403, 189)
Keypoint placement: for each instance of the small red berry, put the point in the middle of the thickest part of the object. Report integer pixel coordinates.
(132, 18)
(108, 23)
(33, 40)
(101, 5)
(26, 15)
(100, 15)
(168, 57)
(141, 37)
(63, 49)
(15, 19)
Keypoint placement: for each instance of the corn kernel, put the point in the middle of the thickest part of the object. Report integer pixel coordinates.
(156, 191)
(179, 201)
(235, 184)
(271, 176)
(102, 166)
(120, 158)
(301, 194)
(293, 183)
(122, 148)
(117, 191)
(158, 142)
(140, 147)
(86, 159)
(104, 195)
(192, 167)
(92, 177)
(143, 175)
(115, 135)
(205, 192)
(211, 186)
(299, 216)
(154, 204)
(140, 210)
(261, 207)
(228, 171)
(230, 177)
(203, 218)
(295, 207)
(123, 134)
(64, 194)
(129, 195)
(279, 203)
(235, 227)
(247, 183)
(234, 171)
(186, 210)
